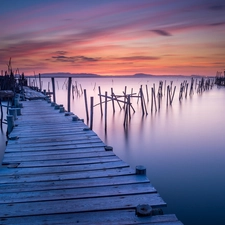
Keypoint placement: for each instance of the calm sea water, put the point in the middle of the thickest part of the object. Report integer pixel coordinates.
(182, 145)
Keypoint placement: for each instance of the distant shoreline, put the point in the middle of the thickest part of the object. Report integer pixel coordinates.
(86, 75)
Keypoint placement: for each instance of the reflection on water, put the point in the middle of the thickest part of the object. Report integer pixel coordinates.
(181, 145)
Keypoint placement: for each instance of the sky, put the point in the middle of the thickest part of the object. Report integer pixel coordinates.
(113, 37)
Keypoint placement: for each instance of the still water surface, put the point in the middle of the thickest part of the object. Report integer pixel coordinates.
(182, 146)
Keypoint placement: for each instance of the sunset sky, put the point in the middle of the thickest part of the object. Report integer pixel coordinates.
(113, 37)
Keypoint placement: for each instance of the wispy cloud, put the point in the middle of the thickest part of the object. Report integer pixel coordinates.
(161, 32)
(73, 59)
(218, 7)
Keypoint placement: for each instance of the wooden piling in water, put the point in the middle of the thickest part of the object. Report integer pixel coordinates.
(39, 76)
(105, 110)
(167, 95)
(186, 91)
(147, 92)
(53, 88)
(151, 99)
(171, 98)
(100, 99)
(142, 103)
(113, 105)
(86, 105)
(125, 92)
(1, 114)
(117, 101)
(10, 123)
(69, 94)
(91, 112)
(154, 98)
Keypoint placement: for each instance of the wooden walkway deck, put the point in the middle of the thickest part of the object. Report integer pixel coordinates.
(59, 173)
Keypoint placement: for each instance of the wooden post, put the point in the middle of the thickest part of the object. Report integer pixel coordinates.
(53, 88)
(140, 170)
(128, 103)
(1, 114)
(147, 93)
(105, 110)
(171, 100)
(159, 98)
(100, 99)
(91, 111)
(81, 89)
(142, 103)
(86, 105)
(40, 81)
(143, 97)
(164, 87)
(186, 90)
(113, 105)
(117, 101)
(69, 93)
(125, 91)
(8, 100)
(10, 122)
(12, 111)
(125, 116)
(16, 102)
(154, 98)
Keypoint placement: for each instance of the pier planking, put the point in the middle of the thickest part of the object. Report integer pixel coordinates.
(58, 173)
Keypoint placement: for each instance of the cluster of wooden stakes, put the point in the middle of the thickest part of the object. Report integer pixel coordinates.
(124, 101)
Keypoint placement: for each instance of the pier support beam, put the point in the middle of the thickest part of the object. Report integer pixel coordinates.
(10, 122)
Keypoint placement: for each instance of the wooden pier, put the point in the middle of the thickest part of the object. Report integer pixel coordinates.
(57, 171)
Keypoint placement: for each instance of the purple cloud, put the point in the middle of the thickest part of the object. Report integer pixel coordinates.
(161, 32)
(74, 59)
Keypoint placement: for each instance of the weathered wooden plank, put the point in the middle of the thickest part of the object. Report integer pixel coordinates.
(80, 205)
(55, 140)
(53, 133)
(67, 176)
(77, 193)
(38, 127)
(74, 155)
(114, 217)
(92, 139)
(76, 183)
(56, 147)
(62, 169)
(33, 152)
(67, 161)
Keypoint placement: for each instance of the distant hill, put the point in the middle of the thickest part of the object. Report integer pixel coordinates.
(86, 75)
(61, 74)
(92, 75)
(142, 75)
